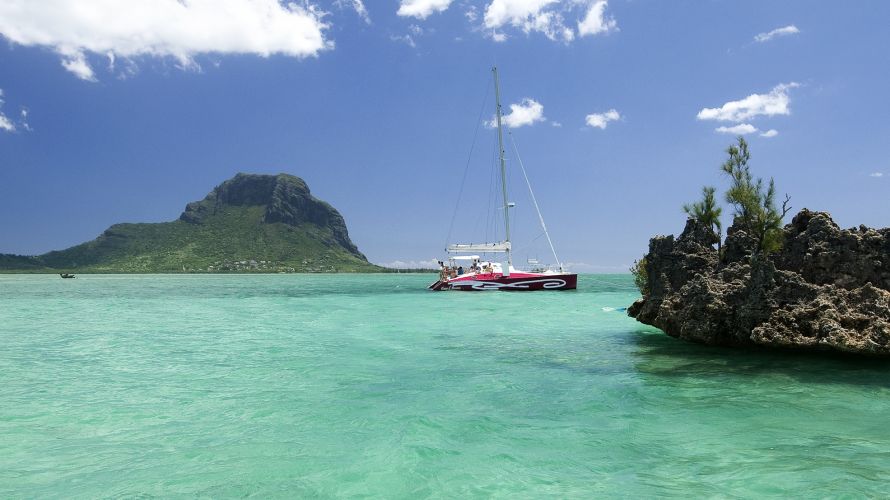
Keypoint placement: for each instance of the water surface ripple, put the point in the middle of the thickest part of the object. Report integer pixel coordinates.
(368, 385)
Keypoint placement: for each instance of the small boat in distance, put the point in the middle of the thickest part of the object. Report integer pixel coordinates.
(67, 275)
(485, 274)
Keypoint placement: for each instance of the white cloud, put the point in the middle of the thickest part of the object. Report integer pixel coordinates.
(556, 124)
(357, 5)
(876, 174)
(406, 39)
(181, 29)
(422, 9)
(776, 102)
(24, 119)
(596, 22)
(526, 112)
(77, 64)
(471, 14)
(787, 30)
(5, 123)
(601, 120)
(548, 17)
(770, 133)
(515, 12)
(528, 15)
(740, 129)
(362, 12)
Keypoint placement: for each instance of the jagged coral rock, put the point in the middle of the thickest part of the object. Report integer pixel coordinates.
(827, 289)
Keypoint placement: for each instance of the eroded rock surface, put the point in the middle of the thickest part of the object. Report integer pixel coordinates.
(827, 289)
(286, 199)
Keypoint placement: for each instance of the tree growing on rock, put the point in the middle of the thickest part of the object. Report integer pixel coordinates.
(641, 276)
(707, 212)
(754, 205)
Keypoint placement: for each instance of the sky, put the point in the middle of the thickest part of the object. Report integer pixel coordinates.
(125, 110)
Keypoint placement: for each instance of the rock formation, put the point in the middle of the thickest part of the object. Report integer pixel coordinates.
(827, 289)
(286, 199)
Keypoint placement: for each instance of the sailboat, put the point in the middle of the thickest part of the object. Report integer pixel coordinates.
(499, 274)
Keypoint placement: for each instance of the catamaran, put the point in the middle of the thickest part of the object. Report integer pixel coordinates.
(499, 274)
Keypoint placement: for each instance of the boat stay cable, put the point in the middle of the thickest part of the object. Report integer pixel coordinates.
(467, 166)
(534, 200)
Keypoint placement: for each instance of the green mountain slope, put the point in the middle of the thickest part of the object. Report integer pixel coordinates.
(250, 223)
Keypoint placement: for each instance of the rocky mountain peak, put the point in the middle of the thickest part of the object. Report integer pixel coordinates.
(286, 199)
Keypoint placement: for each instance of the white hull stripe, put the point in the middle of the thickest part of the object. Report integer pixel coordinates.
(548, 283)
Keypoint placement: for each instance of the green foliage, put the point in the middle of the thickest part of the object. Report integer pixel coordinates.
(235, 234)
(754, 205)
(641, 276)
(707, 212)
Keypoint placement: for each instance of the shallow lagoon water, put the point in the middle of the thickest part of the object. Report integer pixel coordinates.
(368, 385)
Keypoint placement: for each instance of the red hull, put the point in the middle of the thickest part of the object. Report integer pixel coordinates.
(516, 282)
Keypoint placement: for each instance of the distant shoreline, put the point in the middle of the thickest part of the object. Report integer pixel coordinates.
(54, 272)
(241, 273)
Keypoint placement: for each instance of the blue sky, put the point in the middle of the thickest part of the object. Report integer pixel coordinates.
(125, 114)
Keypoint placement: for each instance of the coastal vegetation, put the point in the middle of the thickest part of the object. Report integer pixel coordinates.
(753, 205)
(641, 279)
(251, 223)
(808, 285)
(707, 212)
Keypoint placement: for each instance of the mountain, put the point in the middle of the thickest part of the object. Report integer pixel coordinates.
(250, 223)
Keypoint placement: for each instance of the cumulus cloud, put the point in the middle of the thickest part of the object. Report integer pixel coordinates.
(422, 9)
(181, 29)
(601, 120)
(528, 15)
(526, 112)
(784, 31)
(596, 22)
(876, 174)
(770, 133)
(548, 17)
(740, 129)
(776, 102)
(516, 12)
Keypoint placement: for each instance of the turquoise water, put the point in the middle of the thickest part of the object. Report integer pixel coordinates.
(350, 386)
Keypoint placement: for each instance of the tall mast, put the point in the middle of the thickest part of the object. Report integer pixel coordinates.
(497, 97)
